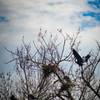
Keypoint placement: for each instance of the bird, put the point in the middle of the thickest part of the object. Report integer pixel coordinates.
(87, 57)
(78, 59)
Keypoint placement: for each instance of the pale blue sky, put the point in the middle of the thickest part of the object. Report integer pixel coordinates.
(25, 17)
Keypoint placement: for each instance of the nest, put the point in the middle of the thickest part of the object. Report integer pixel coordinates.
(48, 69)
(67, 85)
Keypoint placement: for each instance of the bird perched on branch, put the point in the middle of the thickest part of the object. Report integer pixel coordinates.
(78, 59)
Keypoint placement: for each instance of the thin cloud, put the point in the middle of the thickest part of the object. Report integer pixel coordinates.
(56, 2)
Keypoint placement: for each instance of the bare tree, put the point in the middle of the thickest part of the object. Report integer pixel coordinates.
(50, 71)
(6, 86)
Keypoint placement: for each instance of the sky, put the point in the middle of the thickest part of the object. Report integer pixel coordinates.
(20, 18)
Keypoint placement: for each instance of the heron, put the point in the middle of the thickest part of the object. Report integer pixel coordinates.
(78, 59)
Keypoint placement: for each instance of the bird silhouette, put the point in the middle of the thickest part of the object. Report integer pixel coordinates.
(87, 57)
(78, 59)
